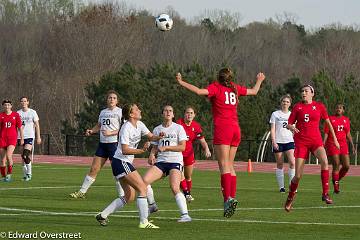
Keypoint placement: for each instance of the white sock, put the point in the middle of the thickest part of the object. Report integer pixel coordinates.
(119, 189)
(181, 202)
(87, 183)
(150, 195)
(113, 207)
(291, 174)
(29, 168)
(280, 177)
(143, 207)
(25, 169)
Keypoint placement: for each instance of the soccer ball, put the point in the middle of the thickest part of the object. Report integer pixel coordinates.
(163, 22)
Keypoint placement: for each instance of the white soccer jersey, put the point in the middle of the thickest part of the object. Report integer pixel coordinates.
(109, 120)
(131, 136)
(28, 119)
(282, 134)
(174, 134)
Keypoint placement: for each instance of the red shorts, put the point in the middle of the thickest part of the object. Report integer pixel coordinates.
(227, 135)
(331, 150)
(189, 160)
(302, 150)
(5, 142)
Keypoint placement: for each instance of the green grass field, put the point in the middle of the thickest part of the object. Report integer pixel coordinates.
(43, 205)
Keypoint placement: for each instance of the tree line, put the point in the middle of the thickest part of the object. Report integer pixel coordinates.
(62, 54)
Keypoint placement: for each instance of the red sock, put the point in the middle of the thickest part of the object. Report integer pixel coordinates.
(292, 188)
(335, 176)
(342, 173)
(233, 186)
(226, 185)
(2, 170)
(189, 184)
(183, 186)
(10, 167)
(325, 181)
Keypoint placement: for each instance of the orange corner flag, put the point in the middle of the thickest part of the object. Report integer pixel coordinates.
(249, 166)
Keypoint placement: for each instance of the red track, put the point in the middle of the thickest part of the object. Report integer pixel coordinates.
(202, 165)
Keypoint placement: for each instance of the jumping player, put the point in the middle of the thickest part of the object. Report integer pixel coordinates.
(30, 122)
(224, 94)
(194, 132)
(108, 125)
(10, 123)
(341, 125)
(169, 161)
(282, 141)
(124, 171)
(307, 115)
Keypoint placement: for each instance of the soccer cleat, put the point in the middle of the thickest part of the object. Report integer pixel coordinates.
(7, 178)
(230, 207)
(326, 198)
(147, 225)
(153, 208)
(77, 195)
(336, 187)
(189, 198)
(289, 202)
(103, 221)
(184, 218)
(28, 177)
(282, 190)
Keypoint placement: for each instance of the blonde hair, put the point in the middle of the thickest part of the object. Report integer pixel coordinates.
(286, 96)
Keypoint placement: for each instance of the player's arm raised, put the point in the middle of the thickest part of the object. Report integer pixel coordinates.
(192, 88)
(260, 77)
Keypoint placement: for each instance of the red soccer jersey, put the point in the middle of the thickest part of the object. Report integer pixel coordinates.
(9, 124)
(307, 118)
(341, 127)
(224, 103)
(193, 132)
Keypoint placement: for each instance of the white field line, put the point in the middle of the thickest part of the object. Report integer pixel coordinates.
(173, 218)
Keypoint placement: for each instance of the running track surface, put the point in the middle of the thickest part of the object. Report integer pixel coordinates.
(210, 165)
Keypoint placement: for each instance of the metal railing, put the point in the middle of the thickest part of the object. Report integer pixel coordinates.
(80, 145)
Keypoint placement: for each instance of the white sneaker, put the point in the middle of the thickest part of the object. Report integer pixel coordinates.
(184, 218)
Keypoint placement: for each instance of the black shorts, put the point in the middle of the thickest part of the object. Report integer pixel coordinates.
(106, 150)
(29, 141)
(283, 147)
(121, 168)
(165, 167)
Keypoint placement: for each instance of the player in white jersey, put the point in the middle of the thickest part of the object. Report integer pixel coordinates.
(108, 125)
(30, 122)
(124, 171)
(282, 141)
(169, 161)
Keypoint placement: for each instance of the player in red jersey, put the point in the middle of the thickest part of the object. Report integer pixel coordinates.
(10, 122)
(223, 95)
(194, 132)
(307, 115)
(341, 125)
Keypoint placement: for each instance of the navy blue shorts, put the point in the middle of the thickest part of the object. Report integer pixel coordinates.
(283, 147)
(29, 141)
(165, 167)
(106, 150)
(120, 168)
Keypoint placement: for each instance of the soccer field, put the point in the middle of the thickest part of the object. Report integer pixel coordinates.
(43, 206)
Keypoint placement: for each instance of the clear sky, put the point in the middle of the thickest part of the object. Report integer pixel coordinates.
(311, 13)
